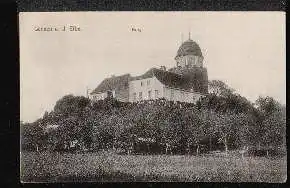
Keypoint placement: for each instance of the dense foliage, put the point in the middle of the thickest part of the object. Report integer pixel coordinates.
(223, 120)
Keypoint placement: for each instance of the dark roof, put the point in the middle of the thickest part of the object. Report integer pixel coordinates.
(115, 82)
(173, 80)
(189, 47)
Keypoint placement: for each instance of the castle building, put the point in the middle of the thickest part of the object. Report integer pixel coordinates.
(185, 82)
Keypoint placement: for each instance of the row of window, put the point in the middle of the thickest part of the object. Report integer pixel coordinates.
(140, 96)
(148, 83)
(190, 61)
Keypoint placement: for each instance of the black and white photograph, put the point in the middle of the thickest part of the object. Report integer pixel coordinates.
(186, 96)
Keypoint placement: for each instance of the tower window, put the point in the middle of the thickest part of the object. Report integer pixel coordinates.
(148, 82)
(141, 83)
(140, 95)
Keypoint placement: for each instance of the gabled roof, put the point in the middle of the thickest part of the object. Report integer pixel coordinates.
(114, 82)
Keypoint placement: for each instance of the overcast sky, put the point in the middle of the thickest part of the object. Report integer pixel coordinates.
(245, 50)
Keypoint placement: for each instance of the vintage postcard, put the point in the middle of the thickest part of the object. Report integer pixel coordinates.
(153, 97)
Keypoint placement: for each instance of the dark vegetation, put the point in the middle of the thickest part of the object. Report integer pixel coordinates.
(223, 120)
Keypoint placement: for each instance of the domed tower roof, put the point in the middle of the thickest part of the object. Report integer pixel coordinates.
(189, 47)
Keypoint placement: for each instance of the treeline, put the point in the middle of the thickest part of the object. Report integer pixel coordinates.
(223, 120)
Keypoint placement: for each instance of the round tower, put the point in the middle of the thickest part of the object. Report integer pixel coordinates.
(189, 55)
(189, 63)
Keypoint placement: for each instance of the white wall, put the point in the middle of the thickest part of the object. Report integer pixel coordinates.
(98, 96)
(135, 87)
(173, 94)
(155, 84)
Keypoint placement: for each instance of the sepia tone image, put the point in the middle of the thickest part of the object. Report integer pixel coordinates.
(153, 97)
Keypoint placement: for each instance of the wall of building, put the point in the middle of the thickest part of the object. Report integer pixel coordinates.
(171, 94)
(122, 94)
(174, 94)
(148, 84)
(98, 96)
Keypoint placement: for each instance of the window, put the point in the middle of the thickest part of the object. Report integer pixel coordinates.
(141, 83)
(172, 94)
(140, 95)
(110, 94)
(134, 96)
(182, 95)
(148, 82)
(149, 95)
(156, 93)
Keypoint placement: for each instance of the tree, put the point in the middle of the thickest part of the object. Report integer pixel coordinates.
(71, 105)
(222, 99)
(271, 120)
(32, 136)
(267, 105)
(245, 130)
(208, 126)
(219, 88)
(274, 126)
(226, 127)
(196, 131)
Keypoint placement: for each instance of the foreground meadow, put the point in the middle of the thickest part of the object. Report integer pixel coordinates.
(108, 166)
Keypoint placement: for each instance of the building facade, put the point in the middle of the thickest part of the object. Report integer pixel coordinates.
(185, 82)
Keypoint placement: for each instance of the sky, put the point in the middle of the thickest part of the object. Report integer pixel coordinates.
(246, 50)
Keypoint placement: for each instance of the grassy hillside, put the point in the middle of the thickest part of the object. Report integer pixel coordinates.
(108, 166)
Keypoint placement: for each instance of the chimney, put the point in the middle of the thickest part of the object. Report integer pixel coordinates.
(163, 68)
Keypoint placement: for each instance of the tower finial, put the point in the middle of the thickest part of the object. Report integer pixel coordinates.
(189, 35)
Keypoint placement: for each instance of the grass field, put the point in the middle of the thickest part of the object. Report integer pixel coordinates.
(108, 166)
